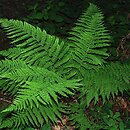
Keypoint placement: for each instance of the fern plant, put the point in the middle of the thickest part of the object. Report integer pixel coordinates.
(39, 69)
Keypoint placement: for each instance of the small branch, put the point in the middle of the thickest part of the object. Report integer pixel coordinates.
(4, 100)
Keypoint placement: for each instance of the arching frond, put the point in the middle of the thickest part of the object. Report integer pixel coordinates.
(34, 46)
(34, 93)
(32, 116)
(107, 81)
(37, 80)
(39, 89)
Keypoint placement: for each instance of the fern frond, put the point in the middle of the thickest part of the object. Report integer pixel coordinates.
(19, 71)
(39, 89)
(6, 67)
(34, 93)
(32, 116)
(35, 46)
(40, 83)
(9, 86)
(12, 53)
(109, 80)
(89, 38)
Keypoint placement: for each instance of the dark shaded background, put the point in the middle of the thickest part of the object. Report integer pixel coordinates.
(18, 9)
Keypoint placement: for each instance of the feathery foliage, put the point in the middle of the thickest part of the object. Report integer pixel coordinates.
(34, 46)
(89, 38)
(109, 80)
(37, 89)
(39, 69)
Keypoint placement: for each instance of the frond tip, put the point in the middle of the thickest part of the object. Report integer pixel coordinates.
(89, 38)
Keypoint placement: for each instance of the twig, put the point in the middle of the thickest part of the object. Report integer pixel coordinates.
(4, 100)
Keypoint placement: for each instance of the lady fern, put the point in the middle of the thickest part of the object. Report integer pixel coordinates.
(89, 38)
(35, 88)
(40, 69)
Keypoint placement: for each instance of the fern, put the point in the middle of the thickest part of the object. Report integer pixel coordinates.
(38, 89)
(34, 116)
(39, 69)
(109, 80)
(34, 46)
(89, 38)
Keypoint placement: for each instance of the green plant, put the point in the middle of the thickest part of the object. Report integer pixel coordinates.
(39, 69)
(49, 16)
(113, 122)
(98, 117)
(56, 17)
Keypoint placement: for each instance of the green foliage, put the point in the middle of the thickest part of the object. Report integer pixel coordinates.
(36, 97)
(34, 46)
(79, 118)
(48, 16)
(56, 17)
(90, 38)
(40, 69)
(106, 78)
(49, 12)
(99, 118)
(118, 20)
